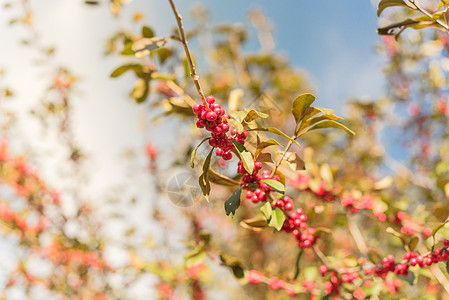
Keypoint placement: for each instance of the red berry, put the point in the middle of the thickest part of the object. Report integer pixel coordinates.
(197, 108)
(210, 99)
(288, 206)
(210, 116)
(323, 269)
(219, 152)
(227, 155)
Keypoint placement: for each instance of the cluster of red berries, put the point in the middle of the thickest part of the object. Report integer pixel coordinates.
(332, 285)
(409, 259)
(295, 223)
(214, 119)
(327, 193)
(263, 190)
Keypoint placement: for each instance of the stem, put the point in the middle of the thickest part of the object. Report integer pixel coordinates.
(276, 166)
(357, 235)
(298, 260)
(424, 11)
(183, 40)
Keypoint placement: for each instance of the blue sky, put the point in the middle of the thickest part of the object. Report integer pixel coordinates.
(333, 41)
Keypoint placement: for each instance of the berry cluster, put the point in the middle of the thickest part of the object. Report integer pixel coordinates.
(214, 119)
(295, 223)
(333, 284)
(409, 259)
(262, 191)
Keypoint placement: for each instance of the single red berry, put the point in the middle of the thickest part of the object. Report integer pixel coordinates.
(210, 99)
(323, 269)
(197, 108)
(219, 152)
(210, 116)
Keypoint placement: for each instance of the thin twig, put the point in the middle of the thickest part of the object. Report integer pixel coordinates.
(193, 74)
(278, 163)
(424, 11)
(357, 235)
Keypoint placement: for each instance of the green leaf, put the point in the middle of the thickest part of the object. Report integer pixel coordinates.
(383, 4)
(275, 185)
(253, 115)
(144, 46)
(221, 179)
(204, 178)
(275, 131)
(140, 91)
(238, 115)
(255, 224)
(315, 120)
(236, 124)
(265, 144)
(122, 69)
(192, 155)
(277, 219)
(245, 155)
(266, 210)
(147, 32)
(330, 123)
(233, 202)
(235, 265)
(413, 243)
(300, 104)
(438, 227)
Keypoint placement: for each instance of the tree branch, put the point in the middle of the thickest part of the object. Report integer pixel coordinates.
(183, 40)
(424, 11)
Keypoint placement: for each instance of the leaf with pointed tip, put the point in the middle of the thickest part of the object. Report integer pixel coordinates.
(315, 120)
(122, 69)
(266, 210)
(140, 91)
(253, 115)
(330, 123)
(383, 4)
(144, 46)
(277, 219)
(255, 224)
(238, 115)
(147, 32)
(192, 155)
(233, 202)
(275, 131)
(221, 179)
(300, 104)
(413, 243)
(236, 124)
(275, 185)
(245, 155)
(204, 178)
(265, 144)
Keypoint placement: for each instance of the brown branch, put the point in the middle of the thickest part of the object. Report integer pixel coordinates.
(183, 40)
(424, 11)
